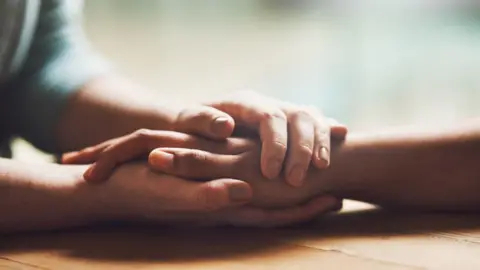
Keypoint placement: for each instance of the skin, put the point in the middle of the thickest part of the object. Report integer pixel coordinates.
(112, 106)
(124, 107)
(56, 196)
(405, 168)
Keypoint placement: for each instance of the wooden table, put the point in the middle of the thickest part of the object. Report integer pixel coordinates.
(358, 238)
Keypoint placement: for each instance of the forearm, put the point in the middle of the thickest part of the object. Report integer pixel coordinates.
(45, 196)
(431, 170)
(110, 107)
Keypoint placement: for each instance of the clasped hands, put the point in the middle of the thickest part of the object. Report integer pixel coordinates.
(239, 161)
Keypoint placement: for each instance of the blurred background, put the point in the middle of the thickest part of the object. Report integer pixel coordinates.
(367, 63)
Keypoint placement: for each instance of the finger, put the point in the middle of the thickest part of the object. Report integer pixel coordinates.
(125, 148)
(86, 155)
(257, 217)
(205, 121)
(184, 195)
(143, 141)
(129, 147)
(300, 147)
(255, 111)
(321, 156)
(192, 163)
(337, 130)
(273, 134)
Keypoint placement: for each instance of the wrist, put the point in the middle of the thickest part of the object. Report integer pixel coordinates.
(122, 197)
(89, 199)
(98, 202)
(345, 171)
(53, 196)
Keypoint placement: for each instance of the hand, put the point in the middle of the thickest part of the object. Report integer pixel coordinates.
(135, 192)
(304, 131)
(202, 165)
(309, 136)
(107, 155)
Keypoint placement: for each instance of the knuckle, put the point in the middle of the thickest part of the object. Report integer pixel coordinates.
(197, 156)
(322, 140)
(188, 115)
(182, 115)
(192, 117)
(107, 156)
(202, 112)
(299, 114)
(189, 160)
(273, 115)
(208, 198)
(279, 145)
(304, 150)
(88, 150)
(301, 117)
(182, 138)
(323, 132)
(143, 133)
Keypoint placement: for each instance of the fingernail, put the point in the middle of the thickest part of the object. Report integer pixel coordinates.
(219, 126)
(66, 157)
(323, 157)
(161, 159)
(87, 175)
(274, 167)
(239, 193)
(296, 176)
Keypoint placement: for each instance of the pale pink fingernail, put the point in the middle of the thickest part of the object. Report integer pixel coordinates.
(161, 160)
(220, 126)
(322, 157)
(87, 175)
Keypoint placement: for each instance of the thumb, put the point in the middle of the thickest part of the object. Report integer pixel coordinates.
(205, 121)
(222, 193)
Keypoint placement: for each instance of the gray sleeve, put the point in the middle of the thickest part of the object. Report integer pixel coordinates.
(59, 63)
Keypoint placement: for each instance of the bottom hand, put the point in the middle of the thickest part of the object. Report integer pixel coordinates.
(246, 216)
(135, 192)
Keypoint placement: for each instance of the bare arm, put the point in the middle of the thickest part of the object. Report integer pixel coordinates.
(51, 196)
(44, 196)
(431, 170)
(109, 107)
(436, 169)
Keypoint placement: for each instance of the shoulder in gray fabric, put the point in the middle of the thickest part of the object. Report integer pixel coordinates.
(18, 19)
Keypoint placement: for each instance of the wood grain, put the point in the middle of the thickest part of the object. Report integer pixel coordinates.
(358, 238)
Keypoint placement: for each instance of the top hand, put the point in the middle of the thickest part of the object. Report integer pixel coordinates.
(107, 155)
(304, 131)
(135, 193)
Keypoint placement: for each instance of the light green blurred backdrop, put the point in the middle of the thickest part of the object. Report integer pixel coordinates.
(368, 63)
